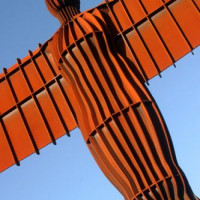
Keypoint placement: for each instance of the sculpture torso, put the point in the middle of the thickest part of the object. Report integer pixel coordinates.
(116, 114)
(105, 94)
(100, 81)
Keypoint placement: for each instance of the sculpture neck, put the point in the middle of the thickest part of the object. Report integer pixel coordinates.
(66, 13)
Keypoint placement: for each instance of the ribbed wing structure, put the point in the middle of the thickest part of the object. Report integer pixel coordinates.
(152, 34)
(34, 108)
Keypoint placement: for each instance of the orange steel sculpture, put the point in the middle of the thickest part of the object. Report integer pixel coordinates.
(91, 74)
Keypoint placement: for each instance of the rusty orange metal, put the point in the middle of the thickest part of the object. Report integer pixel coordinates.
(91, 74)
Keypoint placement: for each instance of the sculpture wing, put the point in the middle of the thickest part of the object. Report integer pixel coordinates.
(152, 34)
(34, 108)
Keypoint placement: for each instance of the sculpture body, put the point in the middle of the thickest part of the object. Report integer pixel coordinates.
(118, 117)
(114, 110)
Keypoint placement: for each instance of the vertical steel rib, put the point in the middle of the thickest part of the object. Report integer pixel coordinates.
(21, 112)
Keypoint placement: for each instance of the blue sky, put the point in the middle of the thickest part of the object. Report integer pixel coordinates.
(67, 171)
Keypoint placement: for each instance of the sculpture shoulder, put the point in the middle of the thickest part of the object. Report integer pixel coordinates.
(77, 30)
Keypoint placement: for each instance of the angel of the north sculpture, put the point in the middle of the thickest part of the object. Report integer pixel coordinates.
(91, 74)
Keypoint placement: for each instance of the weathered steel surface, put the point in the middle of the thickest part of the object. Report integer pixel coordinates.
(35, 110)
(105, 56)
(153, 34)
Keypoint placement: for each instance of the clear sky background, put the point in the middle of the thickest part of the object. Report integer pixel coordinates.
(67, 171)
